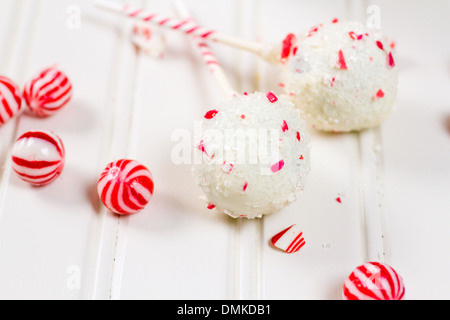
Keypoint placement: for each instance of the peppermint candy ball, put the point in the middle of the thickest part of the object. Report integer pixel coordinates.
(374, 281)
(125, 187)
(252, 155)
(38, 157)
(342, 76)
(10, 99)
(48, 92)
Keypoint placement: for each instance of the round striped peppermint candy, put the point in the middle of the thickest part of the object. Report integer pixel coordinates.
(125, 187)
(374, 281)
(48, 92)
(10, 99)
(38, 157)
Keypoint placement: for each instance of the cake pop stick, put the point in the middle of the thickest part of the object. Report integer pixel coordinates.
(239, 187)
(189, 27)
(208, 56)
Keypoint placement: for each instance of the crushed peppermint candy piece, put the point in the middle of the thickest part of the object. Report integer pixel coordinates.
(289, 240)
(245, 186)
(380, 94)
(277, 166)
(301, 158)
(342, 64)
(211, 114)
(288, 43)
(391, 62)
(284, 126)
(335, 20)
(272, 97)
(227, 167)
(338, 199)
(203, 148)
(211, 206)
(379, 45)
(299, 138)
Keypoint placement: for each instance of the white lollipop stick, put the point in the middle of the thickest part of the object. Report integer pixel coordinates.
(187, 26)
(208, 56)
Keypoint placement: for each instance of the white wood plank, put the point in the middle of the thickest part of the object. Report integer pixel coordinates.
(45, 240)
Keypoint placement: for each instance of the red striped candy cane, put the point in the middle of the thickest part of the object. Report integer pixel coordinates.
(188, 27)
(208, 56)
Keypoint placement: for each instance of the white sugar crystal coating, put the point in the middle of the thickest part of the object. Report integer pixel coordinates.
(252, 157)
(332, 98)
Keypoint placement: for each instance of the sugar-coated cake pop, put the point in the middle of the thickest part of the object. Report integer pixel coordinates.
(255, 155)
(10, 99)
(38, 157)
(374, 281)
(48, 92)
(342, 76)
(125, 187)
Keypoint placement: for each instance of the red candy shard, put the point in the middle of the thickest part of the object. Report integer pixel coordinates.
(392, 45)
(342, 64)
(359, 37)
(211, 114)
(390, 59)
(245, 93)
(284, 126)
(281, 85)
(211, 206)
(244, 187)
(332, 81)
(298, 136)
(242, 116)
(272, 97)
(277, 166)
(335, 20)
(289, 240)
(379, 45)
(338, 199)
(352, 35)
(380, 94)
(294, 51)
(301, 157)
(288, 43)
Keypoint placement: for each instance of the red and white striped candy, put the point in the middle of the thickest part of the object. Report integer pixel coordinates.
(38, 157)
(289, 240)
(48, 92)
(373, 281)
(10, 99)
(125, 187)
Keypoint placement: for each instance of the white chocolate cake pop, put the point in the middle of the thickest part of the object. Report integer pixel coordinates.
(255, 155)
(342, 76)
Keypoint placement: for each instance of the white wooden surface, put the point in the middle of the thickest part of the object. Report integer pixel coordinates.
(58, 242)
